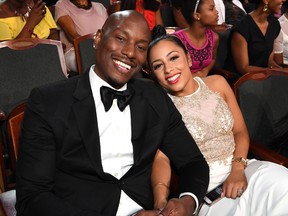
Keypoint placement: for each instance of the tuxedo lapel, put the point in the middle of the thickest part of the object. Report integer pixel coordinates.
(142, 114)
(86, 120)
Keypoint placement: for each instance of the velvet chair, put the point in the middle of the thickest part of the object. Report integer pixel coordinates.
(85, 52)
(25, 64)
(263, 100)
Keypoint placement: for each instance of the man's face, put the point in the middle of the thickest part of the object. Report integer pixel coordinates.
(121, 49)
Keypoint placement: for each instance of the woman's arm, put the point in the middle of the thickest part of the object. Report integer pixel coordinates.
(179, 18)
(159, 20)
(277, 51)
(160, 179)
(236, 180)
(36, 15)
(239, 50)
(54, 34)
(67, 25)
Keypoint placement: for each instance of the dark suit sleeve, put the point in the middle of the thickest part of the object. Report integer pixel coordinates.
(185, 155)
(36, 166)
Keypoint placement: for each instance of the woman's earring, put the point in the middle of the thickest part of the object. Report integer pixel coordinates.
(265, 8)
(94, 46)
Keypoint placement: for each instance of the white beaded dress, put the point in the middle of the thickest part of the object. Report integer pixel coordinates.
(210, 122)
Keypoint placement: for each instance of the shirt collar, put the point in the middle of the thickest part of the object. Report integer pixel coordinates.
(96, 82)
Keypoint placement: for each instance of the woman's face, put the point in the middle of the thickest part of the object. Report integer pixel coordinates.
(275, 6)
(171, 66)
(208, 13)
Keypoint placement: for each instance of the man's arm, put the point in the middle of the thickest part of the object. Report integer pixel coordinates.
(36, 166)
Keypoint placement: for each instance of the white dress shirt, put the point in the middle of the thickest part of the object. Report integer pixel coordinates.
(115, 140)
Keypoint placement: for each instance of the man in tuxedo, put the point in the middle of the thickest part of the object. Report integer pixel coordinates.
(88, 143)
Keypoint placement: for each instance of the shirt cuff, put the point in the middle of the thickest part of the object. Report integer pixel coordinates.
(194, 197)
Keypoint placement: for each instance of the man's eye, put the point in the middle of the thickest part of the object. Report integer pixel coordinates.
(143, 48)
(120, 38)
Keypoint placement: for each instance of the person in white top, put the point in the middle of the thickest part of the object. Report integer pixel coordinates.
(281, 42)
(219, 4)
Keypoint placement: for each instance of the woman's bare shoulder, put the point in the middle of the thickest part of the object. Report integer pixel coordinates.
(216, 83)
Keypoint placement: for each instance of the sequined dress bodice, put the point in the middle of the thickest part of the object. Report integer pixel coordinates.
(210, 122)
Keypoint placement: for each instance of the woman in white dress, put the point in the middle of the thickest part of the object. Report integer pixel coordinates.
(213, 117)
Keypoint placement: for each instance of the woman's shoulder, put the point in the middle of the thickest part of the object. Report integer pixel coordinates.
(63, 3)
(216, 83)
(99, 7)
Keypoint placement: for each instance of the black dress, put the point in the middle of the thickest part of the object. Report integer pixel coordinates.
(259, 46)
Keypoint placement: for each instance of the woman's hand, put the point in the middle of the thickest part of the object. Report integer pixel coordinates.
(184, 206)
(235, 184)
(37, 13)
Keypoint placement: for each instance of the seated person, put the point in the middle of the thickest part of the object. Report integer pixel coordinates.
(251, 41)
(222, 10)
(199, 39)
(21, 19)
(212, 115)
(178, 16)
(234, 12)
(149, 8)
(281, 43)
(77, 18)
(88, 143)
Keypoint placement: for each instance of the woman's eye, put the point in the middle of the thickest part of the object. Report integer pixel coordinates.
(173, 58)
(156, 67)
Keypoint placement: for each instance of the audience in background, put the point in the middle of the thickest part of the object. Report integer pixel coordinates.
(200, 41)
(234, 11)
(50, 2)
(222, 10)
(229, 12)
(21, 19)
(281, 44)
(252, 39)
(150, 9)
(211, 114)
(77, 18)
(178, 16)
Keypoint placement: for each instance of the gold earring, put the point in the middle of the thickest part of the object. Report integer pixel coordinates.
(265, 8)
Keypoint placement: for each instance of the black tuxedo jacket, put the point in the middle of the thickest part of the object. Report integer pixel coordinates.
(59, 170)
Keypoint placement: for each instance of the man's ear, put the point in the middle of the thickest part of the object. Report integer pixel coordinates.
(98, 37)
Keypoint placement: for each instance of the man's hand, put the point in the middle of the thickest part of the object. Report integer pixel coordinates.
(184, 206)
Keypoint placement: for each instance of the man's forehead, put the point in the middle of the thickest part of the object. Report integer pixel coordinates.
(129, 28)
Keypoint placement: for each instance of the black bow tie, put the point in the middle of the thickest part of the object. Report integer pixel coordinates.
(123, 97)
